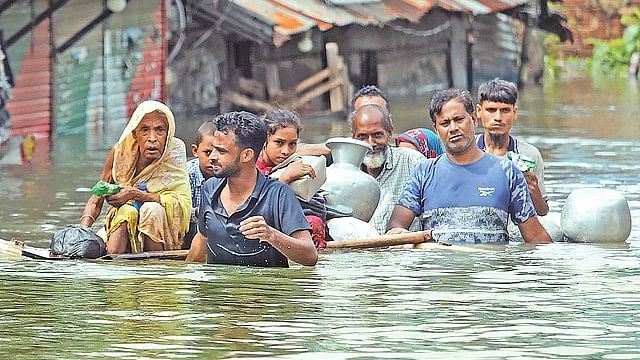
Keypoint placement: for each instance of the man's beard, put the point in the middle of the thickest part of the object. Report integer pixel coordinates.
(499, 139)
(376, 160)
(230, 171)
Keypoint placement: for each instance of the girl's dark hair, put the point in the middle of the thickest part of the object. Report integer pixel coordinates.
(278, 119)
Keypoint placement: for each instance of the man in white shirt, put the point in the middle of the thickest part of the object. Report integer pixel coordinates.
(497, 110)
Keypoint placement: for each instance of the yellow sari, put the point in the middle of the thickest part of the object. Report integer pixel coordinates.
(167, 177)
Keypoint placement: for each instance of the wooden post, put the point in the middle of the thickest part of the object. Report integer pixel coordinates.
(336, 97)
(347, 87)
(274, 89)
(459, 53)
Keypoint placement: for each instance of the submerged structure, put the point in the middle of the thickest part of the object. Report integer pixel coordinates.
(87, 64)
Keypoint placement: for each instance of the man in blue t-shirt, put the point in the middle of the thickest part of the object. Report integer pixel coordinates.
(245, 218)
(465, 195)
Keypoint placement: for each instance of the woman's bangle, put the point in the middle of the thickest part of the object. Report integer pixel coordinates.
(89, 216)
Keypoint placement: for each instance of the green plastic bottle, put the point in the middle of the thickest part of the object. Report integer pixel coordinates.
(103, 188)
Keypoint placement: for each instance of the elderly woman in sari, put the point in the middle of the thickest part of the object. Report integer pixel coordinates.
(147, 153)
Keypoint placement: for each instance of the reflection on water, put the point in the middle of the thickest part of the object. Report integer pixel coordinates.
(560, 300)
(551, 301)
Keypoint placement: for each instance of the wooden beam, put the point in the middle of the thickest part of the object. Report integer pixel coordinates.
(312, 81)
(274, 88)
(319, 90)
(382, 241)
(459, 53)
(347, 87)
(157, 255)
(251, 86)
(242, 100)
(336, 97)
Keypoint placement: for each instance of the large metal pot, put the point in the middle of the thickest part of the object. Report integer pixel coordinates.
(551, 223)
(347, 184)
(596, 215)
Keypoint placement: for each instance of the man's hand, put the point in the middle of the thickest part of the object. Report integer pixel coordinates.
(541, 206)
(532, 180)
(296, 247)
(394, 231)
(256, 228)
(296, 170)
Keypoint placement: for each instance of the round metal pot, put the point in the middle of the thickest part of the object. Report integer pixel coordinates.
(596, 215)
(551, 223)
(348, 185)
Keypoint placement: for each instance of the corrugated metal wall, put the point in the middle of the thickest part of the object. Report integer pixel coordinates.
(79, 69)
(30, 104)
(497, 48)
(118, 64)
(148, 81)
(99, 79)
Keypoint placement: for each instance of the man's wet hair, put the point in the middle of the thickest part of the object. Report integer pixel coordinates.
(498, 90)
(280, 119)
(444, 96)
(388, 125)
(206, 129)
(250, 131)
(370, 90)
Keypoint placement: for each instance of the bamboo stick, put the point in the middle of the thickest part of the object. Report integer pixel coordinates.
(15, 247)
(10, 250)
(382, 241)
(159, 255)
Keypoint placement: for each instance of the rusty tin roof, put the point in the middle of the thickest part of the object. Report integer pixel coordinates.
(292, 17)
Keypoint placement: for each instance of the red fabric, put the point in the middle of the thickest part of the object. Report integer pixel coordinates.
(318, 228)
(262, 167)
(318, 231)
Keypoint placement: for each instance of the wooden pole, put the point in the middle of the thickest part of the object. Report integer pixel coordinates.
(242, 100)
(311, 81)
(15, 247)
(158, 255)
(382, 241)
(336, 98)
(274, 89)
(319, 90)
(347, 87)
(10, 250)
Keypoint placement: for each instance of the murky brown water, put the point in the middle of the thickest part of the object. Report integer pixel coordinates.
(560, 300)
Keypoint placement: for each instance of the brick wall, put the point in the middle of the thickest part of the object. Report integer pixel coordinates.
(594, 19)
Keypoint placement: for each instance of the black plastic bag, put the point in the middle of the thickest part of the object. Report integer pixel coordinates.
(77, 242)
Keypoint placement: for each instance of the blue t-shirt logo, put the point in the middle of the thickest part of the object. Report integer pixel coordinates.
(486, 191)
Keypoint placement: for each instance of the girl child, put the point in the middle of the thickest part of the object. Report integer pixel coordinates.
(283, 129)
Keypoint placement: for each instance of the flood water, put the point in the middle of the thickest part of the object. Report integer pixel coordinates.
(535, 302)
